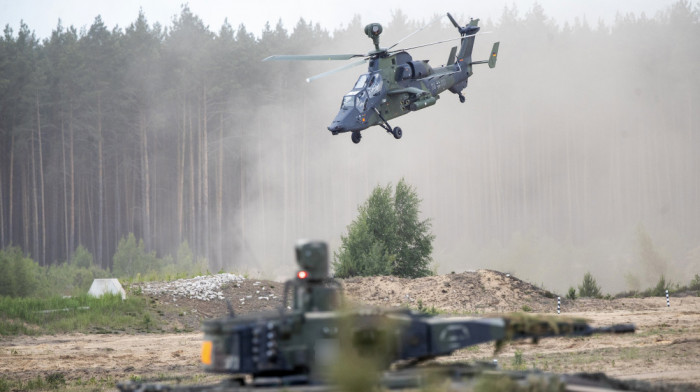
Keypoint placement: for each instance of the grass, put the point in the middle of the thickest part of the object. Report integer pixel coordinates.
(57, 381)
(429, 311)
(86, 314)
(518, 362)
(51, 381)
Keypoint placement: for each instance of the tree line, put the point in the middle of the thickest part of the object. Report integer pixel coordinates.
(106, 132)
(179, 133)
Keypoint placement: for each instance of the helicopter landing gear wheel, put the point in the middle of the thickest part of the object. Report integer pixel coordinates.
(461, 98)
(385, 124)
(356, 137)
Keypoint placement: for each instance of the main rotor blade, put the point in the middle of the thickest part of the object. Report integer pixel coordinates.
(415, 32)
(454, 22)
(343, 68)
(306, 57)
(440, 42)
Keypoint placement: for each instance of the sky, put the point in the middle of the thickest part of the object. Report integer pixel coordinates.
(42, 15)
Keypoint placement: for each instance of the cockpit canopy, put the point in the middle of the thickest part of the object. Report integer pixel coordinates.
(367, 86)
(361, 82)
(355, 99)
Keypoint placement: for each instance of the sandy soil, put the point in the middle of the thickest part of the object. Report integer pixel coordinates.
(468, 292)
(666, 347)
(102, 357)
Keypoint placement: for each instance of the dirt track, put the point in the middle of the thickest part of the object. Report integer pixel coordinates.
(665, 348)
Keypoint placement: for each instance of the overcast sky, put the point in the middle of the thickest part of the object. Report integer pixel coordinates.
(42, 15)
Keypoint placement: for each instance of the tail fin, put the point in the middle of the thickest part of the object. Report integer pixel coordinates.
(492, 59)
(494, 55)
(451, 58)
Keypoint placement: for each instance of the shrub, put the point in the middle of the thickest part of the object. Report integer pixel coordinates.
(695, 283)
(518, 362)
(56, 380)
(18, 274)
(186, 262)
(660, 289)
(82, 258)
(131, 258)
(387, 237)
(589, 287)
(362, 257)
(67, 279)
(571, 294)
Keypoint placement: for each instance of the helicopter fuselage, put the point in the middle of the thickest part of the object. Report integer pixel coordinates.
(396, 85)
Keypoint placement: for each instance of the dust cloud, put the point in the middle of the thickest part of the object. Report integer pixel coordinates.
(579, 139)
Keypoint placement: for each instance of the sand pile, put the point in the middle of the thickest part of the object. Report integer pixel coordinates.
(481, 291)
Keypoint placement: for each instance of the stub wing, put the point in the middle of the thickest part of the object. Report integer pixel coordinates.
(410, 90)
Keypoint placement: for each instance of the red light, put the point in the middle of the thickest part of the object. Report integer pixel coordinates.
(302, 274)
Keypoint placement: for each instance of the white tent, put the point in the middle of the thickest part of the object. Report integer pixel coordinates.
(101, 286)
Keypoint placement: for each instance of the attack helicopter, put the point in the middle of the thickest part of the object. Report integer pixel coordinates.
(395, 84)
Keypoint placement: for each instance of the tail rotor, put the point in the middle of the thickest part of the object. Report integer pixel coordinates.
(469, 29)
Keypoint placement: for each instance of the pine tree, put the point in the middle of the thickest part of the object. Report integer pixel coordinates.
(589, 287)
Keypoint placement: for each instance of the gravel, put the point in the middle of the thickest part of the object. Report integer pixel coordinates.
(204, 288)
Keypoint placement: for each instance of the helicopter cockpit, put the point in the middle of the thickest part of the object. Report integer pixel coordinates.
(366, 94)
(366, 87)
(355, 99)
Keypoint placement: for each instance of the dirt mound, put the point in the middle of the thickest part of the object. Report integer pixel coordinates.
(183, 304)
(482, 291)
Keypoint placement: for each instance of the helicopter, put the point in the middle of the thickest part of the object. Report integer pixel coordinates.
(395, 84)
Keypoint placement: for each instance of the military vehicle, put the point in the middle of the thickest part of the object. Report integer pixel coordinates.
(317, 342)
(395, 84)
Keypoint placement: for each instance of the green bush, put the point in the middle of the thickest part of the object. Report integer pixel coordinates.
(695, 283)
(589, 287)
(359, 256)
(186, 263)
(571, 294)
(67, 279)
(518, 361)
(56, 380)
(18, 274)
(82, 258)
(431, 311)
(132, 259)
(22, 277)
(659, 290)
(387, 237)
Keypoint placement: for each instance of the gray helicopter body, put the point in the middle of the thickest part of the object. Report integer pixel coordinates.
(395, 84)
